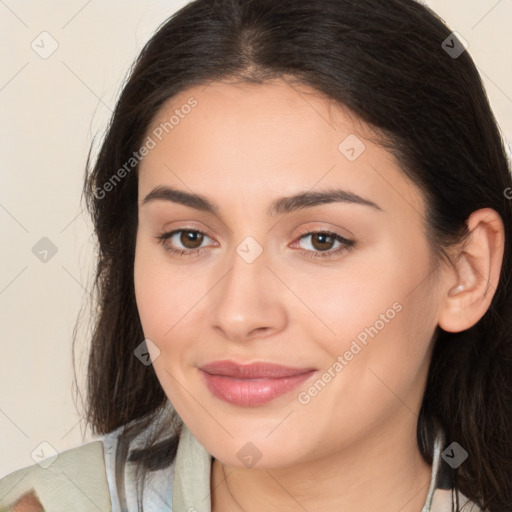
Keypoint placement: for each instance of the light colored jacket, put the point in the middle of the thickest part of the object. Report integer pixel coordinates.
(83, 480)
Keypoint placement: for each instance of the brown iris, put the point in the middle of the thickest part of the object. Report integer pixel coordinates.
(191, 237)
(325, 239)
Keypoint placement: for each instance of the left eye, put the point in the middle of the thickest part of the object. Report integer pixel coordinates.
(321, 241)
(321, 244)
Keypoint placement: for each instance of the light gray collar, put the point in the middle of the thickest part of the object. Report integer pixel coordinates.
(191, 492)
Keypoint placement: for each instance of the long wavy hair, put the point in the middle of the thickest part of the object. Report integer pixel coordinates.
(386, 63)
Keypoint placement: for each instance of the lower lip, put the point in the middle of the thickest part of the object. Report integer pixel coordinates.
(252, 392)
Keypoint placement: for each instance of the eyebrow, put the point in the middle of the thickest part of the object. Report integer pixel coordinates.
(279, 206)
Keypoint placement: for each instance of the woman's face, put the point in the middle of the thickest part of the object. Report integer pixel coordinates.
(338, 289)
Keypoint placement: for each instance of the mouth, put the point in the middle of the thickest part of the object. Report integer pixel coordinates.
(252, 384)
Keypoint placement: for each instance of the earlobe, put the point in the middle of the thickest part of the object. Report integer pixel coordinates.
(476, 270)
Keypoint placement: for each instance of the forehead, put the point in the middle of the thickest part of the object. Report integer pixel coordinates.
(225, 137)
(276, 107)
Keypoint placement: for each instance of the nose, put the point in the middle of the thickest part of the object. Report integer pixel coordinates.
(248, 302)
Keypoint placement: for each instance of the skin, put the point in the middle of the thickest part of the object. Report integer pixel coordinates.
(353, 446)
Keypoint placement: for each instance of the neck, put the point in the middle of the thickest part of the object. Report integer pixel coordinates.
(383, 471)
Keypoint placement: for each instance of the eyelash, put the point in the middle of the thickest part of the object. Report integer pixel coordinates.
(347, 245)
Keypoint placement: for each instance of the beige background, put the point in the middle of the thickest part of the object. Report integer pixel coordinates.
(49, 110)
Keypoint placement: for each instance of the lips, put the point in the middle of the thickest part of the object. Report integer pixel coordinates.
(252, 384)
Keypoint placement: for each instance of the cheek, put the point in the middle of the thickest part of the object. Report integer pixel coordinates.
(383, 316)
(162, 299)
(169, 302)
(155, 297)
(379, 310)
(366, 288)
(162, 292)
(149, 287)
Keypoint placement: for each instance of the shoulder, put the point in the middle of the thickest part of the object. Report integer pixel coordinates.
(91, 477)
(445, 500)
(443, 496)
(74, 479)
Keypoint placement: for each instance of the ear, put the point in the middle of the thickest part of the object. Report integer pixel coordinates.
(472, 283)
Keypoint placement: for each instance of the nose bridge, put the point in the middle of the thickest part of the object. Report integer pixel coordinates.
(247, 299)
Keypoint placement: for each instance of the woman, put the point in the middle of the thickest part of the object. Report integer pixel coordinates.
(303, 271)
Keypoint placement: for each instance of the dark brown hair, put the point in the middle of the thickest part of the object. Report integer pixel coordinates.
(385, 62)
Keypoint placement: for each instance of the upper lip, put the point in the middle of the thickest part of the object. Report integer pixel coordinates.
(255, 370)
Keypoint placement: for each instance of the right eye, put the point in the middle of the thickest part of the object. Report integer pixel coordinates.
(190, 239)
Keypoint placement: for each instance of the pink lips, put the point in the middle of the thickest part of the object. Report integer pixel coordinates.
(252, 384)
